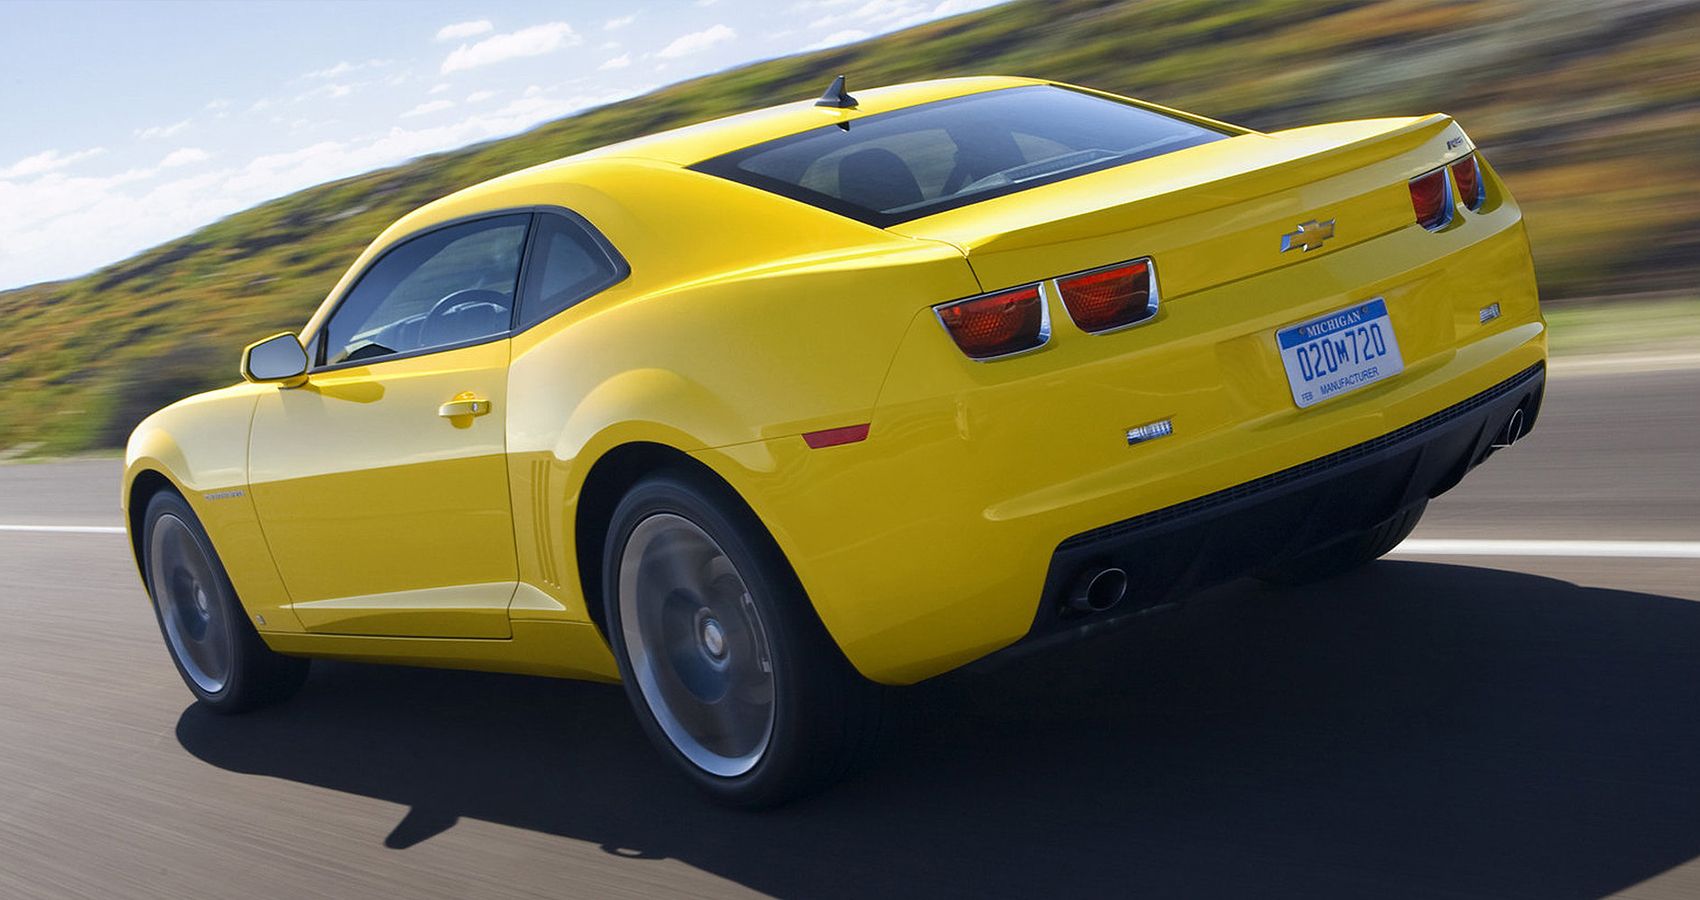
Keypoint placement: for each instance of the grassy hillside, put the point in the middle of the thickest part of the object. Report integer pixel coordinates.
(1589, 109)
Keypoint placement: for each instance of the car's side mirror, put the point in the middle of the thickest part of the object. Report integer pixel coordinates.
(278, 359)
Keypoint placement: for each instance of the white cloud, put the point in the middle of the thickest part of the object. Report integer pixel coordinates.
(341, 68)
(541, 105)
(425, 109)
(324, 91)
(707, 2)
(847, 36)
(479, 96)
(460, 30)
(438, 88)
(161, 131)
(218, 104)
(184, 156)
(620, 22)
(344, 67)
(697, 41)
(534, 41)
(618, 62)
(47, 161)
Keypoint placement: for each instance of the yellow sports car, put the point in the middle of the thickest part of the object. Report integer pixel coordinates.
(759, 415)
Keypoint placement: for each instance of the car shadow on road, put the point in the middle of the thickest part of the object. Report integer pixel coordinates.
(1413, 729)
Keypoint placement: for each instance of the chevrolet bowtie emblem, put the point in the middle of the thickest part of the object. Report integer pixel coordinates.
(1309, 236)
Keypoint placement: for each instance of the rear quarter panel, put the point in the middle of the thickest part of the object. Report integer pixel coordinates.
(746, 318)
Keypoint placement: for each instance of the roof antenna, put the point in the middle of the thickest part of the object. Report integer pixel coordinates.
(836, 96)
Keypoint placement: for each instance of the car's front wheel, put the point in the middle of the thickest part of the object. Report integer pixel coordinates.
(221, 657)
(731, 674)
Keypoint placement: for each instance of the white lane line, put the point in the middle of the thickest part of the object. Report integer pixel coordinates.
(1608, 549)
(1622, 363)
(66, 529)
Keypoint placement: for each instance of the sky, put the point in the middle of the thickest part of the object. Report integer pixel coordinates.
(126, 124)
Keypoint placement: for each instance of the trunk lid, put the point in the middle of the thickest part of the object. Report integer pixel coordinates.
(1209, 214)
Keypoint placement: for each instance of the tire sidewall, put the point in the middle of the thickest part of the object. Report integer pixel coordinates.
(164, 503)
(777, 597)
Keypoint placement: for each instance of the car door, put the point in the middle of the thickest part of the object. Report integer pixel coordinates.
(381, 483)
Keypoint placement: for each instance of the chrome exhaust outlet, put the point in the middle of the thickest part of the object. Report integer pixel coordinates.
(1513, 430)
(1097, 590)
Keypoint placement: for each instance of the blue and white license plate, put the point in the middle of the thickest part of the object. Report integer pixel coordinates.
(1340, 352)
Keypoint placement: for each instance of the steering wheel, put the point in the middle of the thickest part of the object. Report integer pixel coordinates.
(457, 301)
(462, 298)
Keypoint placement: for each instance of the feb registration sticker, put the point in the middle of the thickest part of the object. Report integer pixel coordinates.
(1339, 352)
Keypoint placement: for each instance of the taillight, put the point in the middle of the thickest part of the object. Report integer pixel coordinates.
(1112, 297)
(1470, 187)
(998, 324)
(1431, 196)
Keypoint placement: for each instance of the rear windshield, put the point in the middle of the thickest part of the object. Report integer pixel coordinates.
(907, 163)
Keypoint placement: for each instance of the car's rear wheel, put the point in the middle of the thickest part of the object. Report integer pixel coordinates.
(731, 674)
(217, 651)
(1347, 554)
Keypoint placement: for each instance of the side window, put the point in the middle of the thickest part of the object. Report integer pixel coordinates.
(447, 287)
(567, 265)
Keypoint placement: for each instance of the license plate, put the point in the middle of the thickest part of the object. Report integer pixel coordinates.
(1340, 352)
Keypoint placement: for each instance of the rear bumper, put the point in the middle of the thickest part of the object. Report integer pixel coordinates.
(1233, 532)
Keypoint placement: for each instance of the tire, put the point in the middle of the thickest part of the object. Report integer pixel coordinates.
(1345, 555)
(218, 653)
(731, 674)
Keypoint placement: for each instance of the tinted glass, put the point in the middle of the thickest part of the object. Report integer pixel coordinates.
(568, 264)
(448, 287)
(901, 165)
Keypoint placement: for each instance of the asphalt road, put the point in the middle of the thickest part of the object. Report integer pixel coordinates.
(1426, 727)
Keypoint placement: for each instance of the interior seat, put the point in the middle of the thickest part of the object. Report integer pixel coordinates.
(878, 179)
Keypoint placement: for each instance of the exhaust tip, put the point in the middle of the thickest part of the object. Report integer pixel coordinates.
(1513, 430)
(1097, 590)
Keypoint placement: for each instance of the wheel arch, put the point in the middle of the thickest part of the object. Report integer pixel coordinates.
(614, 473)
(144, 483)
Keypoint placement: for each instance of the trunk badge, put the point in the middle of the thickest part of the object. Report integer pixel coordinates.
(1308, 237)
(1151, 431)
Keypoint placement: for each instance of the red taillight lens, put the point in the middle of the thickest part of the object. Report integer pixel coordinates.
(1113, 297)
(1470, 187)
(1431, 197)
(997, 324)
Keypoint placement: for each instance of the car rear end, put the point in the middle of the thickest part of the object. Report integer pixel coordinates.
(1185, 366)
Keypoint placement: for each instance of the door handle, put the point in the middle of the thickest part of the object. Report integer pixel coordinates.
(464, 405)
